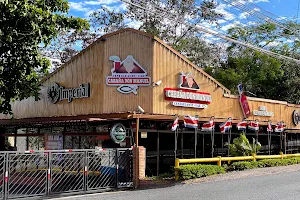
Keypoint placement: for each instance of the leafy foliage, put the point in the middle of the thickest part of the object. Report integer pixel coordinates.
(242, 147)
(182, 37)
(24, 26)
(196, 171)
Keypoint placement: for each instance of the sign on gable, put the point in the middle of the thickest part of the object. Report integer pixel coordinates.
(128, 75)
(187, 94)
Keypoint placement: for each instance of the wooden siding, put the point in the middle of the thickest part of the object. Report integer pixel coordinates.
(167, 67)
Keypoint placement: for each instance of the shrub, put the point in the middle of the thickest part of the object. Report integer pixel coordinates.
(277, 162)
(242, 147)
(242, 165)
(196, 171)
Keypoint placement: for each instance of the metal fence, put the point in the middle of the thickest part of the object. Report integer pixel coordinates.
(44, 173)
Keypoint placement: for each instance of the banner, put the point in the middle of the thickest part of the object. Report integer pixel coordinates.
(190, 122)
(243, 102)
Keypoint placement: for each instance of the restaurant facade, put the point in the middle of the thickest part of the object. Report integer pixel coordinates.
(126, 89)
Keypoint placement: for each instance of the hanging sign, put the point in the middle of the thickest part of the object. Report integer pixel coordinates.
(53, 141)
(56, 93)
(118, 133)
(244, 102)
(187, 94)
(296, 117)
(128, 75)
(262, 111)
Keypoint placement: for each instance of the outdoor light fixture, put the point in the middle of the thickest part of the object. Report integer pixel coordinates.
(140, 109)
(156, 83)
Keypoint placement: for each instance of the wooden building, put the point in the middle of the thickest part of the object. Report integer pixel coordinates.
(133, 78)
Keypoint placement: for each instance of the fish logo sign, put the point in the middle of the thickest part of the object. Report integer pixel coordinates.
(128, 75)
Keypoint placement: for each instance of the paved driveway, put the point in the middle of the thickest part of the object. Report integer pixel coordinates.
(282, 186)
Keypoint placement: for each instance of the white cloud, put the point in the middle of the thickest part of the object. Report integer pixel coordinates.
(257, 1)
(78, 6)
(281, 18)
(221, 21)
(231, 25)
(244, 15)
(251, 23)
(227, 15)
(100, 2)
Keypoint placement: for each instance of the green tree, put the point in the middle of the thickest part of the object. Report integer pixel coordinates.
(259, 73)
(25, 25)
(263, 75)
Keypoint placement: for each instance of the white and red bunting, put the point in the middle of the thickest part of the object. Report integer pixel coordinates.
(187, 94)
(128, 75)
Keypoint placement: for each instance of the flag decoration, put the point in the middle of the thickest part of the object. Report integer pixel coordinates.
(226, 125)
(209, 126)
(279, 127)
(175, 124)
(190, 122)
(253, 125)
(241, 126)
(269, 128)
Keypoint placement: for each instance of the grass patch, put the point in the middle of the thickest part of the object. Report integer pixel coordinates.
(164, 176)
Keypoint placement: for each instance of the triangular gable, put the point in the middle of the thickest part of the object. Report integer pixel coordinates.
(149, 36)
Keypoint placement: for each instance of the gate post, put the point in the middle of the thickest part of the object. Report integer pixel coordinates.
(6, 174)
(49, 173)
(117, 155)
(139, 165)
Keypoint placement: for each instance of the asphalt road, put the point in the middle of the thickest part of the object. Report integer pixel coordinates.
(284, 186)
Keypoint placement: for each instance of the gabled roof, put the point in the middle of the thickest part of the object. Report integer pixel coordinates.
(102, 38)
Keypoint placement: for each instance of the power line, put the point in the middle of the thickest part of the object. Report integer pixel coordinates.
(256, 12)
(207, 30)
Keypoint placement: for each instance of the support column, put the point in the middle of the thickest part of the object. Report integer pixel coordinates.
(139, 165)
(137, 132)
(157, 154)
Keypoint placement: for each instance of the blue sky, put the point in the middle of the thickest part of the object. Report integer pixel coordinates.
(281, 8)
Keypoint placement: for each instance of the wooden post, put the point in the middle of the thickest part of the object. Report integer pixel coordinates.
(157, 154)
(212, 142)
(203, 145)
(181, 144)
(15, 139)
(175, 139)
(137, 132)
(280, 138)
(222, 143)
(284, 143)
(196, 134)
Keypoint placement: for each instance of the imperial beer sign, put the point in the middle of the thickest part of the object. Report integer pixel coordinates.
(56, 93)
(128, 75)
(188, 94)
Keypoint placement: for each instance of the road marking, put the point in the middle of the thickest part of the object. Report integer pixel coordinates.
(88, 195)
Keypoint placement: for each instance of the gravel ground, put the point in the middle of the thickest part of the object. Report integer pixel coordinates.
(246, 173)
